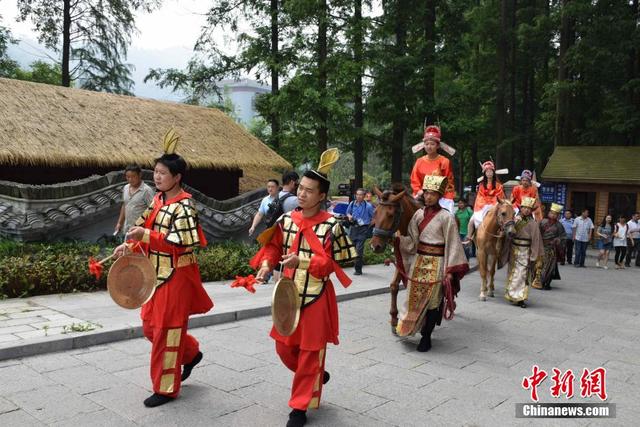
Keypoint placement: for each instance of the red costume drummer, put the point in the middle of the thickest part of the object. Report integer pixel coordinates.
(528, 188)
(308, 242)
(490, 190)
(433, 164)
(169, 232)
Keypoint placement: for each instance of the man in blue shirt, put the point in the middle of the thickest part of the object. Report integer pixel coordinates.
(360, 214)
(567, 223)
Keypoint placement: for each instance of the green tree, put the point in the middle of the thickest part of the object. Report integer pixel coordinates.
(92, 36)
(7, 65)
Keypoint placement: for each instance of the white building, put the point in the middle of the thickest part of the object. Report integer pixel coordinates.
(241, 94)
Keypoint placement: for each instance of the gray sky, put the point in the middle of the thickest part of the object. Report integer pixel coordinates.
(165, 39)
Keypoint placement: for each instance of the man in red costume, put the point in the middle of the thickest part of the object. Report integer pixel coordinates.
(527, 188)
(308, 242)
(168, 232)
(433, 164)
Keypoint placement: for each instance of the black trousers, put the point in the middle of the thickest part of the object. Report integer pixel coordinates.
(633, 246)
(568, 251)
(621, 251)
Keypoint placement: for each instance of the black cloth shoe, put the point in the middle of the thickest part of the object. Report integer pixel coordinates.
(425, 344)
(156, 400)
(430, 321)
(522, 304)
(357, 273)
(326, 377)
(186, 370)
(297, 418)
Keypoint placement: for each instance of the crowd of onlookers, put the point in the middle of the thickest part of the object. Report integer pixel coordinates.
(622, 236)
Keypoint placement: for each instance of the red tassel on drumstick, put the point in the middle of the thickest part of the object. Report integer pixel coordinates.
(96, 267)
(245, 282)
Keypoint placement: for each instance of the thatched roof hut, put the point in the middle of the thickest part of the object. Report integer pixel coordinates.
(61, 134)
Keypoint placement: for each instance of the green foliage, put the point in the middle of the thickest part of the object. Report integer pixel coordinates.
(28, 269)
(40, 72)
(99, 33)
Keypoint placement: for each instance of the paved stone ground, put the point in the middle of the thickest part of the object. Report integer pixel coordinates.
(471, 377)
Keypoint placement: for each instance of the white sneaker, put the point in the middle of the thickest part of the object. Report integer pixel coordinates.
(598, 264)
(605, 267)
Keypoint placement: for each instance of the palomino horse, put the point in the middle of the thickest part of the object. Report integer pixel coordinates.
(395, 210)
(489, 238)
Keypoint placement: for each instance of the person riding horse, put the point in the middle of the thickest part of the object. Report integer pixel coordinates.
(490, 190)
(433, 164)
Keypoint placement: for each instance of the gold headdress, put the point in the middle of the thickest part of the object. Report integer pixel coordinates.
(556, 208)
(170, 141)
(435, 183)
(528, 202)
(327, 160)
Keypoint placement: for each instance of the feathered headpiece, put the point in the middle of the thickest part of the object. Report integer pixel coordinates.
(434, 133)
(327, 160)
(490, 165)
(170, 141)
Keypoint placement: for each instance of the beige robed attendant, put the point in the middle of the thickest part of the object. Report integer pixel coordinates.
(435, 241)
(524, 257)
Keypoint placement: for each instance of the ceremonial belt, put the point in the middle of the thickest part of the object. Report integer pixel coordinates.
(186, 259)
(519, 241)
(430, 249)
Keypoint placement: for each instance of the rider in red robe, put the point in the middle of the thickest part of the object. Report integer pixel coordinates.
(526, 189)
(168, 232)
(490, 190)
(308, 242)
(433, 164)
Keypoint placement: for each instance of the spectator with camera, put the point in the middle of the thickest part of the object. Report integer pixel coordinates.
(359, 214)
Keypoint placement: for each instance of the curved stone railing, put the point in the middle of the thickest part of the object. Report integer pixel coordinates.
(68, 210)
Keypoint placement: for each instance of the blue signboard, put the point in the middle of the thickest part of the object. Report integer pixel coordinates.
(547, 192)
(561, 194)
(553, 193)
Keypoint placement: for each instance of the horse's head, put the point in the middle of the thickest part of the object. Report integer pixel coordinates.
(505, 216)
(386, 218)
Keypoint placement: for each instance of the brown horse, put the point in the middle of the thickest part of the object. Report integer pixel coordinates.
(393, 213)
(489, 238)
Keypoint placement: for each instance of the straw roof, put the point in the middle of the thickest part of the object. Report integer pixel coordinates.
(594, 165)
(44, 125)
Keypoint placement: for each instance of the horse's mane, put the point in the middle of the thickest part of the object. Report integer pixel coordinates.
(397, 188)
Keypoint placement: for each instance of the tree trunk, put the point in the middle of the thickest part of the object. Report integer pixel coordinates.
(513, 152)
(66, 42)
(399, 118)
(358, 114)
(275, 81)
(429, 55)
(562, 134)
(502, 80)
(323, 114)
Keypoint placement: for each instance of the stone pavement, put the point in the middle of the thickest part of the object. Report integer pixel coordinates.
(62, 322)
(472, 375)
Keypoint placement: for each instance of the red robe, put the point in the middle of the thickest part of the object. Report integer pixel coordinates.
(171, 233)
(488, 195)
(519, 192)
(182, 294)
(440, 166)
(318, 324)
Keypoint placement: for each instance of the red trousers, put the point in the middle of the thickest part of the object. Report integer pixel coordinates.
(171, 348)
(308, 368)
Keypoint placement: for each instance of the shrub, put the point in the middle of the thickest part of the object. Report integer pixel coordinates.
(28, 269)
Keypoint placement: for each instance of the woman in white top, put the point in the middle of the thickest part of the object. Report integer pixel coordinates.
(620, 241)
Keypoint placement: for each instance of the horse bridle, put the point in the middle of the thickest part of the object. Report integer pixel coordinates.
(501, 225)
(381, 232)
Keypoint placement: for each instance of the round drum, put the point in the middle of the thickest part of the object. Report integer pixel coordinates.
(131, 281)
(285, 307)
